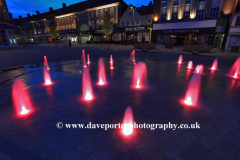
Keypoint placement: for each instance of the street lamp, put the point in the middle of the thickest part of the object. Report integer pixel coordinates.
(133, 26)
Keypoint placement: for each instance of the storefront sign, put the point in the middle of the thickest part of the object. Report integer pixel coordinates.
(135, 29)
(184, 31)
(221, 26)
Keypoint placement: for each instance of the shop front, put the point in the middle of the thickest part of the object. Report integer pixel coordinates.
(179, 33)
(65, 37)
(141, 34)
(220, 33)
(7, 36)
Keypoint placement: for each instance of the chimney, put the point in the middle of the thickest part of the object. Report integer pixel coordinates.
(50, 9)
(64, 5)
(20, 17)
(37, 12)
(28, 15)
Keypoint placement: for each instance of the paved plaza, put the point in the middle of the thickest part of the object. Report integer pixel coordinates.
(37, 137)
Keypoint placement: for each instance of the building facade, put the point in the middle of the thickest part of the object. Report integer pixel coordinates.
(142, 24)
(7, 35)
(191, 21)
(82, 27)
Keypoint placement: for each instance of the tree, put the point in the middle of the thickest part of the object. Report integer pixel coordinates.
(53, 28)
(107, 25)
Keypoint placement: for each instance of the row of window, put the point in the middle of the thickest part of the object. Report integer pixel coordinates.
(137, 22)
(100, 12)
(97, 24)
(30, 25)
(176, 2)
(186, 15)
(66, 27)
(65, 19)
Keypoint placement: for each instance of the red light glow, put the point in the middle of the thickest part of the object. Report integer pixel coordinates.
(133, 55)
(111, 62)
(180, 59)
(235, 69)
(21, 99)
(199, 69)
(46, 62)
(139, 75)
(128, 121)
(191, 97)
(47, 77)
(190, 65)
(86, 85)
(88, 59)
(101, 72)
(83, 59)
(214, 65)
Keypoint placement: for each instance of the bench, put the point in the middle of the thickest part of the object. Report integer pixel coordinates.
(144, 46)
(196, 49)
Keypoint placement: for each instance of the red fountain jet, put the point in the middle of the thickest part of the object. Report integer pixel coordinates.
(199, 69)
(191, 97)
(86, 85)
(127, 123)
(190, 65)
(21, 98)
(101, 72)
(83, 59)
(111, 62)
(180, 59)
(139, 75)
(214, 65)
(46, 62)
(133, 55)
(47, 77)
(88, 59)
(235, 69)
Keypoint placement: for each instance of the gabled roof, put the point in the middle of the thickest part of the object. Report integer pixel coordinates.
(145, 10)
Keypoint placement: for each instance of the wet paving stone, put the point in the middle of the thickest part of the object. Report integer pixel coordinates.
(217, 113)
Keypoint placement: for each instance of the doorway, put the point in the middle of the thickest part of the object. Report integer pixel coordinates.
(218, 41)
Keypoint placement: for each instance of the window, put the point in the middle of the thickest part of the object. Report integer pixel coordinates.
(106, 10)
(149, 21)
(237, 21)
(174, 16)
(60, 28)
(69, 27)
(164, 3)
(5, 14)
(66, 28)
(163, 18)
(73, 27)
(188, 1)
(101, 12)
(214, 12)
(102, 23)
(112, 11)
(97, 14)
(137, 22)
(97, 24)
(86, 15)
(200, 14)
(93, 24)
(63, 28)
(68, 19)
(60, 20)
(127, 23)
(92, 14)
(71, 18)
(186, 15)
(122, 24)
(56, 21)
(176, 2)
(131, 23)
(112, 20)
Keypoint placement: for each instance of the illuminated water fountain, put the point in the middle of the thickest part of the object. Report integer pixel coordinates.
(21, 98)
(199, 69)
(139, 75)
(214, 65)
(47, 77)
(190, 65)
(86, 85)
(235, 69)
(180, 59)
(83, 59)
(46, 62)
(133, 55)
(111, 62)
(191, 97)
(128, 122)
(101, 72)
(88, 59)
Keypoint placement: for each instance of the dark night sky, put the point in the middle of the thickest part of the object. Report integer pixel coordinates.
(22, 7)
